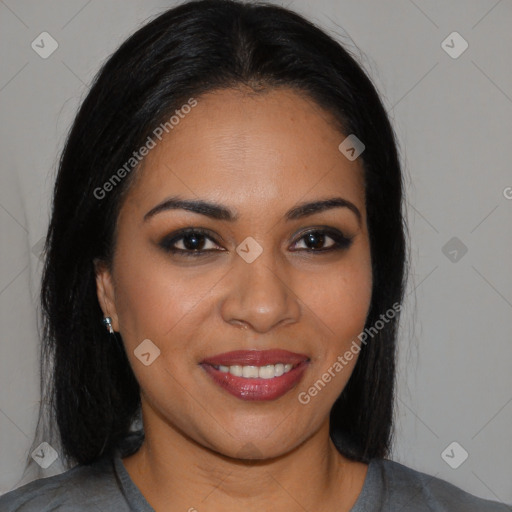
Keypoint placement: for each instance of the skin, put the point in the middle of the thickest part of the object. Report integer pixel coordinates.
(259, 155)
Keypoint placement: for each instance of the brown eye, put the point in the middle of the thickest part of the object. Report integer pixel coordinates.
(190, 242)
(193, 241)
(316, 240)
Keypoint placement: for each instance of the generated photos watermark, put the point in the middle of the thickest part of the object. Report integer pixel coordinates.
(137, 156)
(342, 361)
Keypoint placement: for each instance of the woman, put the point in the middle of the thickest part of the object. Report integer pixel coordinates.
(226, 257)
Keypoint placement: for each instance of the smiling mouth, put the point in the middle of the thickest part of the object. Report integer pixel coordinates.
(256, 374)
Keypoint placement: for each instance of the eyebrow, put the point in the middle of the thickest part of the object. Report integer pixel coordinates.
(220, 212)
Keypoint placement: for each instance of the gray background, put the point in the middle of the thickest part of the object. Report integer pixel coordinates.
(453, 118)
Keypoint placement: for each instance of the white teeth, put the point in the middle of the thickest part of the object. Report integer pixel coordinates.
(250, 372)
(268, 371)
(279, 369)
(235, 370)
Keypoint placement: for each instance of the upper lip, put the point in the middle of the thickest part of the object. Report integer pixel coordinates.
(255, 358)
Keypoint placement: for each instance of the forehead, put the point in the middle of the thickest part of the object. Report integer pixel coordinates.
(247, 149)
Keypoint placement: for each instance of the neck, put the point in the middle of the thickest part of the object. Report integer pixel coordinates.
(174, 472)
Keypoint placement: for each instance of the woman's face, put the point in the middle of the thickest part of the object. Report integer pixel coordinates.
(262, 282)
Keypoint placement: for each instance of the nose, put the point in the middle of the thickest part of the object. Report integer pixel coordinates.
(260, 294)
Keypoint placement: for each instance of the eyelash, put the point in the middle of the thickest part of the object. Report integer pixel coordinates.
(341, 242)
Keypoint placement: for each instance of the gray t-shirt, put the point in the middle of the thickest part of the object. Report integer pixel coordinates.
(106, 486)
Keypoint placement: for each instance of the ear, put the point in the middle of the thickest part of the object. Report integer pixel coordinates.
(105, 291)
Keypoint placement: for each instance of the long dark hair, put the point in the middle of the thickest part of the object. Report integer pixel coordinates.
(91, 392)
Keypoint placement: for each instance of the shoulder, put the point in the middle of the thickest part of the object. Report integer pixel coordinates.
(419, 492)
(84, 487)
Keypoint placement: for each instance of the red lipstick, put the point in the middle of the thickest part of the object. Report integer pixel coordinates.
(256, 374)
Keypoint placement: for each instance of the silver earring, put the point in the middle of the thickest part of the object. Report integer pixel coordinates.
(107, 322)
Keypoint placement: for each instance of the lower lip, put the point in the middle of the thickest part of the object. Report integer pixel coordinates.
(257, 389)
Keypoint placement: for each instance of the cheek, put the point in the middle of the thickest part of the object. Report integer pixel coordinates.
(339, 303)
(153, 296)
(157, 302)
(340, 300)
